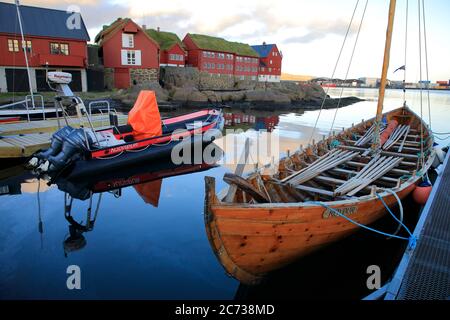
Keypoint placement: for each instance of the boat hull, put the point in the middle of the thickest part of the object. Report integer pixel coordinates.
(252, 241)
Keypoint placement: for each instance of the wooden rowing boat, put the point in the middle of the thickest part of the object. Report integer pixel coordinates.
(265, 222)
(252, 238)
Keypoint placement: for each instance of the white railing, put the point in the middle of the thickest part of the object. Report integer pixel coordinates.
(25, 104)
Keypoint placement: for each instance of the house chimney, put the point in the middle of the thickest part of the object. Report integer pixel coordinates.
(157, 29)
(144, 26)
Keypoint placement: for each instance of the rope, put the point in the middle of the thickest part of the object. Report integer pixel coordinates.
(400, 221)
(421, 89)
(426, 62)
(349, 65)
(40, 223)
(442, 139)
(109, 158)
(334, 144)
(440, 133)
(334, 70)
(406, 52)
(412, 240)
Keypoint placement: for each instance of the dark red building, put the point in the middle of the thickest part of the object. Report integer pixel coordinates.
(130, 56)
(269, 62)
(219, 56)
(172, 53)
(49, 43)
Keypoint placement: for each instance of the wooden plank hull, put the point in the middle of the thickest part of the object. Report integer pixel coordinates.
(250, 242)
(252, 239)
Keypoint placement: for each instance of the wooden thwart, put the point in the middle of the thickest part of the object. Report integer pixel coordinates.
(374, 170)
(328, 161)
(399, 132)
(368, 136)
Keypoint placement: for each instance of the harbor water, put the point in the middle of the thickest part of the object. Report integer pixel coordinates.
(153, 244)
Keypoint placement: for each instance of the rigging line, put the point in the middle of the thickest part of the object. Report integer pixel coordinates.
(349, 64)
(40, 224)
(406, 52)
(335, 68)
(426, 62)
(420, 86)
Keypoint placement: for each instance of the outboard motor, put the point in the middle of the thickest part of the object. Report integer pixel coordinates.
(55, 147)
(73, 144)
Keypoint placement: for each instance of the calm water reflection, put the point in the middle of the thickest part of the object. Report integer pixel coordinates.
(150, 242)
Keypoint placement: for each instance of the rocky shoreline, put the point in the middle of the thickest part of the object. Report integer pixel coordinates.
(188, 88)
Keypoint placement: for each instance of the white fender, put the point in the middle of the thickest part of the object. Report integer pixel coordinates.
(440, 157)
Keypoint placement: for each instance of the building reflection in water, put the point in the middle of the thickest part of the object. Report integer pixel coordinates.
(249, 121)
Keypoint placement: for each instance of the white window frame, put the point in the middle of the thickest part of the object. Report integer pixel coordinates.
(131, 57)
(13, 45)
(127, 40)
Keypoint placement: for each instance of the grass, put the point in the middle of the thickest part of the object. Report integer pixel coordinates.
(165, 39)
(219, 44)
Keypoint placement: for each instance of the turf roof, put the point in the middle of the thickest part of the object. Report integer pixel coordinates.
(218, 44)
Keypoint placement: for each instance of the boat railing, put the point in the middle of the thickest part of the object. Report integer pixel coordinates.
(28, 98)
(102, 111)
(99, 102)
(25, 103)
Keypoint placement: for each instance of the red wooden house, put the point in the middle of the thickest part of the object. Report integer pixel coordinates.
(172, 53)
(50, 45)
(219, 56)
(269, 62)
(130, 55)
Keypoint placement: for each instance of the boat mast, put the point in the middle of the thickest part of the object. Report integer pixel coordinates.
(387, 53)
(24, 48)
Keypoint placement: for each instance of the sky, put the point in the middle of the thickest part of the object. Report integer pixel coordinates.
(309, 33)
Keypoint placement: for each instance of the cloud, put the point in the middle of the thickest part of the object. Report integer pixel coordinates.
(320, 30)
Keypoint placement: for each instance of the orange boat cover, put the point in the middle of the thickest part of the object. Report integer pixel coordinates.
(144, 118)
(150, 191)
(388, 131)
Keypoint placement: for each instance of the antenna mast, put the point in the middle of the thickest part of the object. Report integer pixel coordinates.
(24, 48)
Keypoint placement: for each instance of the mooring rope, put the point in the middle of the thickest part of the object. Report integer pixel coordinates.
(412, 240)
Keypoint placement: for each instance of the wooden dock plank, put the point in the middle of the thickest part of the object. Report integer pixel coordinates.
(16, 146)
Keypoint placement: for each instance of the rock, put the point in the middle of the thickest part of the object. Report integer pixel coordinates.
(215, 82)
(213, 97)
(245, 85)
(181, 94)
(269, 96)
(197, 96)
(179, 77)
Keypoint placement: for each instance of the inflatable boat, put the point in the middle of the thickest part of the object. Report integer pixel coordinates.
(82, 152)
(136, 176)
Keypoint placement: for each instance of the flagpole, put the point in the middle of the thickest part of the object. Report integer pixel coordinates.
(24, 46)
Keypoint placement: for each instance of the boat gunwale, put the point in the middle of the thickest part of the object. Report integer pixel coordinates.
(412, 180)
